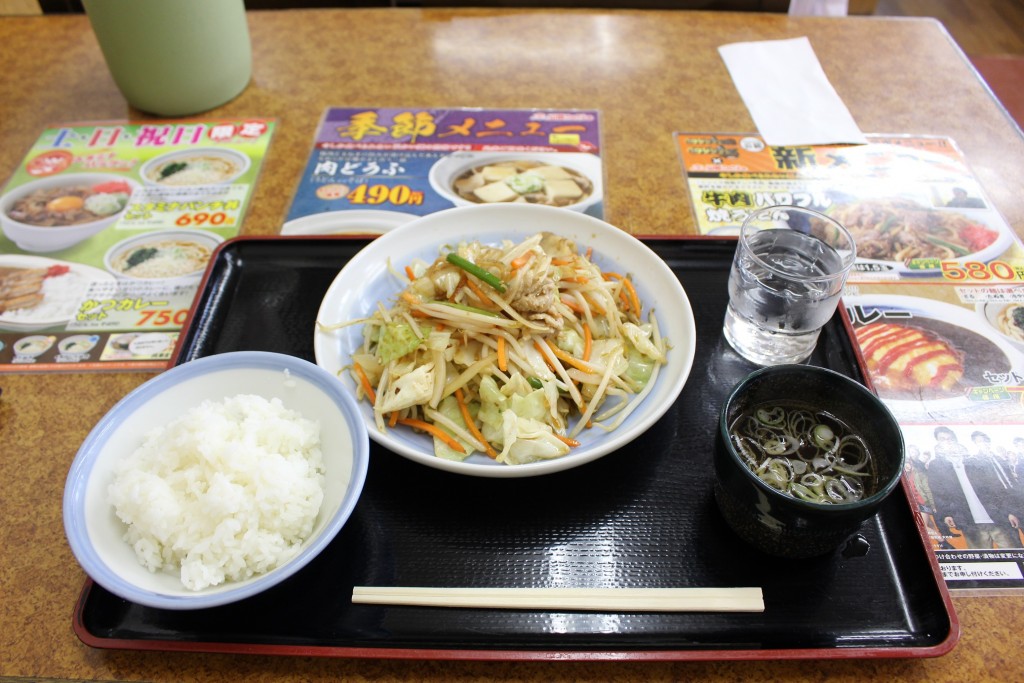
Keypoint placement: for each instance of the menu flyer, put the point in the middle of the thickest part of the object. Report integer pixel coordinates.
(936, 302)
(107, 229)
(372, 169)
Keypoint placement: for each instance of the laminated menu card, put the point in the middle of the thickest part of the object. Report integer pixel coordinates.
(936, 307)
(107, 229)
(372, 169)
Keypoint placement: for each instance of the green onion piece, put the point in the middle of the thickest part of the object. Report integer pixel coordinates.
(823, 436)
(955, 248)
(476, 271)
(535, 383)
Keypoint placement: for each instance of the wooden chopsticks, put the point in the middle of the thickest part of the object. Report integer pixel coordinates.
(570, 599)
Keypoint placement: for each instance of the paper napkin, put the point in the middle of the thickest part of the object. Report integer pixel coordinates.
(788, 94)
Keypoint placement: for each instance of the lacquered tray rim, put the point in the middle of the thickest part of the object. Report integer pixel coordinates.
(942, 647)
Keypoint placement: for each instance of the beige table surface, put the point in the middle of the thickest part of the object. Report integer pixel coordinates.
(649, 73)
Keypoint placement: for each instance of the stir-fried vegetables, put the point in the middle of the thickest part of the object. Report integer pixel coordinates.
(805, 453)
(509, 350)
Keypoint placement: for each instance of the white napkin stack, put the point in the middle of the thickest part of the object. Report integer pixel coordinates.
(788, 94)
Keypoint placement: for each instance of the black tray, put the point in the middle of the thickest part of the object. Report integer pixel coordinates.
(643, 516)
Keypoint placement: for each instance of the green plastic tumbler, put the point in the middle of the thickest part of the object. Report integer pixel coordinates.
(174, 57)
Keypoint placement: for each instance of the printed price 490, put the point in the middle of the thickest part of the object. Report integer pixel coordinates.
(159, 317)
(398, 195)
(978, 270)
(201, 218)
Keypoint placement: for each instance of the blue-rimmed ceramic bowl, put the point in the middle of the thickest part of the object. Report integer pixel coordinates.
(96, 534)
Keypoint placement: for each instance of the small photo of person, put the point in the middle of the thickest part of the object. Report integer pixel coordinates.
(962, 200)
(974, 491)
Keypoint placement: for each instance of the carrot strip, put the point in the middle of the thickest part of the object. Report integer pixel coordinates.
(632, 295)
(590, 253)
(566, 358)
(540, 349)
(433, 431)
(410, 299)
(633, 299)
(588, 342)
(571, 443)
(572, 304)
(521, 261)
(409, 274)
(364, 381)
(563, 261)
(477, 291)
(464, 409)
(393, 418)
(598, 308)
(502, 358)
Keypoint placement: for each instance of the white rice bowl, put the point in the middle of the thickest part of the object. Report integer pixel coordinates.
(227, 491)
(215, 480)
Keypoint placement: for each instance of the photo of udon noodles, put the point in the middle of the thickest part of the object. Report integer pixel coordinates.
(1010, 321)
(57, 207)
(200, 169)
(533, 182)
(900, 230)
(162, 259)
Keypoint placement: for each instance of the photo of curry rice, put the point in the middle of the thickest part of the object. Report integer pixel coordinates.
(22, 288)
(900, 230)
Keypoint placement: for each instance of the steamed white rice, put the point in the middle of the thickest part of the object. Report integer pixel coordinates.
(227, 491)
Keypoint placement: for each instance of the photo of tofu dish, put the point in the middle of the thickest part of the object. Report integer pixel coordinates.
(535, 182)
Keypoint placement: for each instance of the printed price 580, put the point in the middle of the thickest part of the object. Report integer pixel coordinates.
(201, 218)
(161, 317)
(977, 270)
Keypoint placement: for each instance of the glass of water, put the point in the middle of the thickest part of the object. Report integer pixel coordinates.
(787, 275)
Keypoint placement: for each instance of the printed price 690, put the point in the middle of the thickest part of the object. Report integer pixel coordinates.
(161, 317)
(201, 218)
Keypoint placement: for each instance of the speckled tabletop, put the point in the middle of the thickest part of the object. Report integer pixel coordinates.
(650, 74)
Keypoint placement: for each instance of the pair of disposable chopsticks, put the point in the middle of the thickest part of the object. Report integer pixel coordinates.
(570, 599)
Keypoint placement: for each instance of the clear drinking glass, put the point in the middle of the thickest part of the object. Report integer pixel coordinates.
(787, 275)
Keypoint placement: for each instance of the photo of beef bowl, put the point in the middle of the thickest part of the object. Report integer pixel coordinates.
(58, 212)
(196, 166)
(567, 180)
(167, 255)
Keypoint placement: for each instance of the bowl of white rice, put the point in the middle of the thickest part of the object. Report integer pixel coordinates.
(215, 480)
